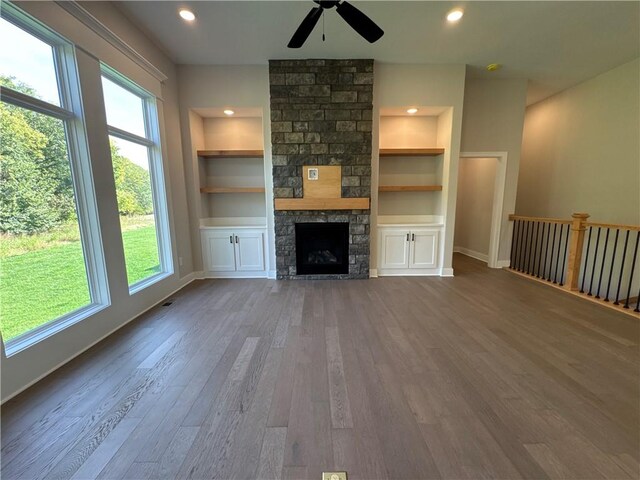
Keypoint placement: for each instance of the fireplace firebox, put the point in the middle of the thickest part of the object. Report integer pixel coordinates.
(322, 248)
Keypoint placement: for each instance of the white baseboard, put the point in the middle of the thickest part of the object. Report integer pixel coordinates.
(235, 275)
(446, 272)
(183, 282)
(503, 263)
(373, 273)
(271, 275)
(483, 257)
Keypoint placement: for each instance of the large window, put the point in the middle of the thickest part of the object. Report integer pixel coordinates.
(137, 168)
(51, 265)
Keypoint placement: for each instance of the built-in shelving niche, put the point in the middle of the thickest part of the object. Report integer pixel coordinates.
(410, 166)
(231, 170)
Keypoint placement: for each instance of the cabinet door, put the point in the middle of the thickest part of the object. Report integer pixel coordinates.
(249, 251)
(424, 249)
(394, 248)
(218, 251)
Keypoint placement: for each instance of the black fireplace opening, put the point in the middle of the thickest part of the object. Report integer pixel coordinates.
(322, 248)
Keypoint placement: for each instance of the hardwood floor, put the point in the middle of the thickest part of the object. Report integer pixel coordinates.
(485, 375)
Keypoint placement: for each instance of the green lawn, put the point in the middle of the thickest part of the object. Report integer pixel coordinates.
(49, 280)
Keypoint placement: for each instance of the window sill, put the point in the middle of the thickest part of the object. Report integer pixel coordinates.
(147, 282)
(28, 339)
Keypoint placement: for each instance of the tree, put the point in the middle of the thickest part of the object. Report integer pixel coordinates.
(36, 190)
(133, 185)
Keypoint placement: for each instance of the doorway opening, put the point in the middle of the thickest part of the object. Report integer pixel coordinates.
(479, 206)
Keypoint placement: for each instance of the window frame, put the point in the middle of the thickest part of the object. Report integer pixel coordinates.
(152, 142)
(71, 113)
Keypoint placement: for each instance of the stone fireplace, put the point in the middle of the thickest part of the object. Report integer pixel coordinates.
(321, 114)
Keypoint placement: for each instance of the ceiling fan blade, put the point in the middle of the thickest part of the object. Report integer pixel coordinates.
(305, 28)
(360, 22)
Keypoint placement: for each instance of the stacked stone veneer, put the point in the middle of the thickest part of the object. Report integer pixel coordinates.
(321, 112)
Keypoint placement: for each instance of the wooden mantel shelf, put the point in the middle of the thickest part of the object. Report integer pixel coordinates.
(231, 153)
(321, 203)
(409, 188)
(411, 152)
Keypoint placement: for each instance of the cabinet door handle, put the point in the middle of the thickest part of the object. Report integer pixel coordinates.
(413, 237)
(237, 239)
(230, 238)
(407, 237)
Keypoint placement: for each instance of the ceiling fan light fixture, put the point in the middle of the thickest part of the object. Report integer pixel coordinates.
(455, 15)
(187, 14)
(228, 112)
(412, 111)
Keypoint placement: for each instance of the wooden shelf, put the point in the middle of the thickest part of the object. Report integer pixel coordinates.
(321, 203)
(231, 153)
(409, 188)
(232, 189)
(411, 152)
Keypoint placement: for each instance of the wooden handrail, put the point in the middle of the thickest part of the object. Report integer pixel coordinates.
(539, 219)
(613, 225)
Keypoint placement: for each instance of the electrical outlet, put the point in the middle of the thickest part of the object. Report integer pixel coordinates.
(180, 260)
(334, 475)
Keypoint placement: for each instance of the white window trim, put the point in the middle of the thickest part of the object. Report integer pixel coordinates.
(71, 112)
(158, 187)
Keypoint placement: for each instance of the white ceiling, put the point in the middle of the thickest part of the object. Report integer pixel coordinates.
(553, 44)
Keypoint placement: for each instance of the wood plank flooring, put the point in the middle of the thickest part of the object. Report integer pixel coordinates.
(485, 375)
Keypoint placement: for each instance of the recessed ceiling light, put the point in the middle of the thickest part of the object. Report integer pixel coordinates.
(187, 15)
(455, 15)
(229, 112)
(411, 111)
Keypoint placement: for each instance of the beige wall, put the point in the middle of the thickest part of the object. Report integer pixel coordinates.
(581, 151)
(492, 122)
(425, 86)
(408, 132)
(219, 87)
(476, 179)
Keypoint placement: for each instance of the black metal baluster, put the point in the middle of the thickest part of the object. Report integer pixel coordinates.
(534, 248)
(604, 257)
(546, 255)
(519, 251)
(624, 255)
(524, 250)
(633, 267)
(522, 242)
(555, 272)
(553, 246)
(586, 260)
(564, 257)
(595, 257)
(613, 261)
(541, 244)
(637, 309)
(525, 267)
(513, 242)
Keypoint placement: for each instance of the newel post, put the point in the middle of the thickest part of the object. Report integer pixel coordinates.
(575, 250)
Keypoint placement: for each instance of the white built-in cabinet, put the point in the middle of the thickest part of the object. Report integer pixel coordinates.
(234, 252)
(411, 205)
(233, 198)
(408, 250)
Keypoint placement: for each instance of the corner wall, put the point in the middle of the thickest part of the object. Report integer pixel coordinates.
(492, 122)
(581, 151)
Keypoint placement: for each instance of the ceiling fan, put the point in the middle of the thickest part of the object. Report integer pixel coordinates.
(354, 17)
